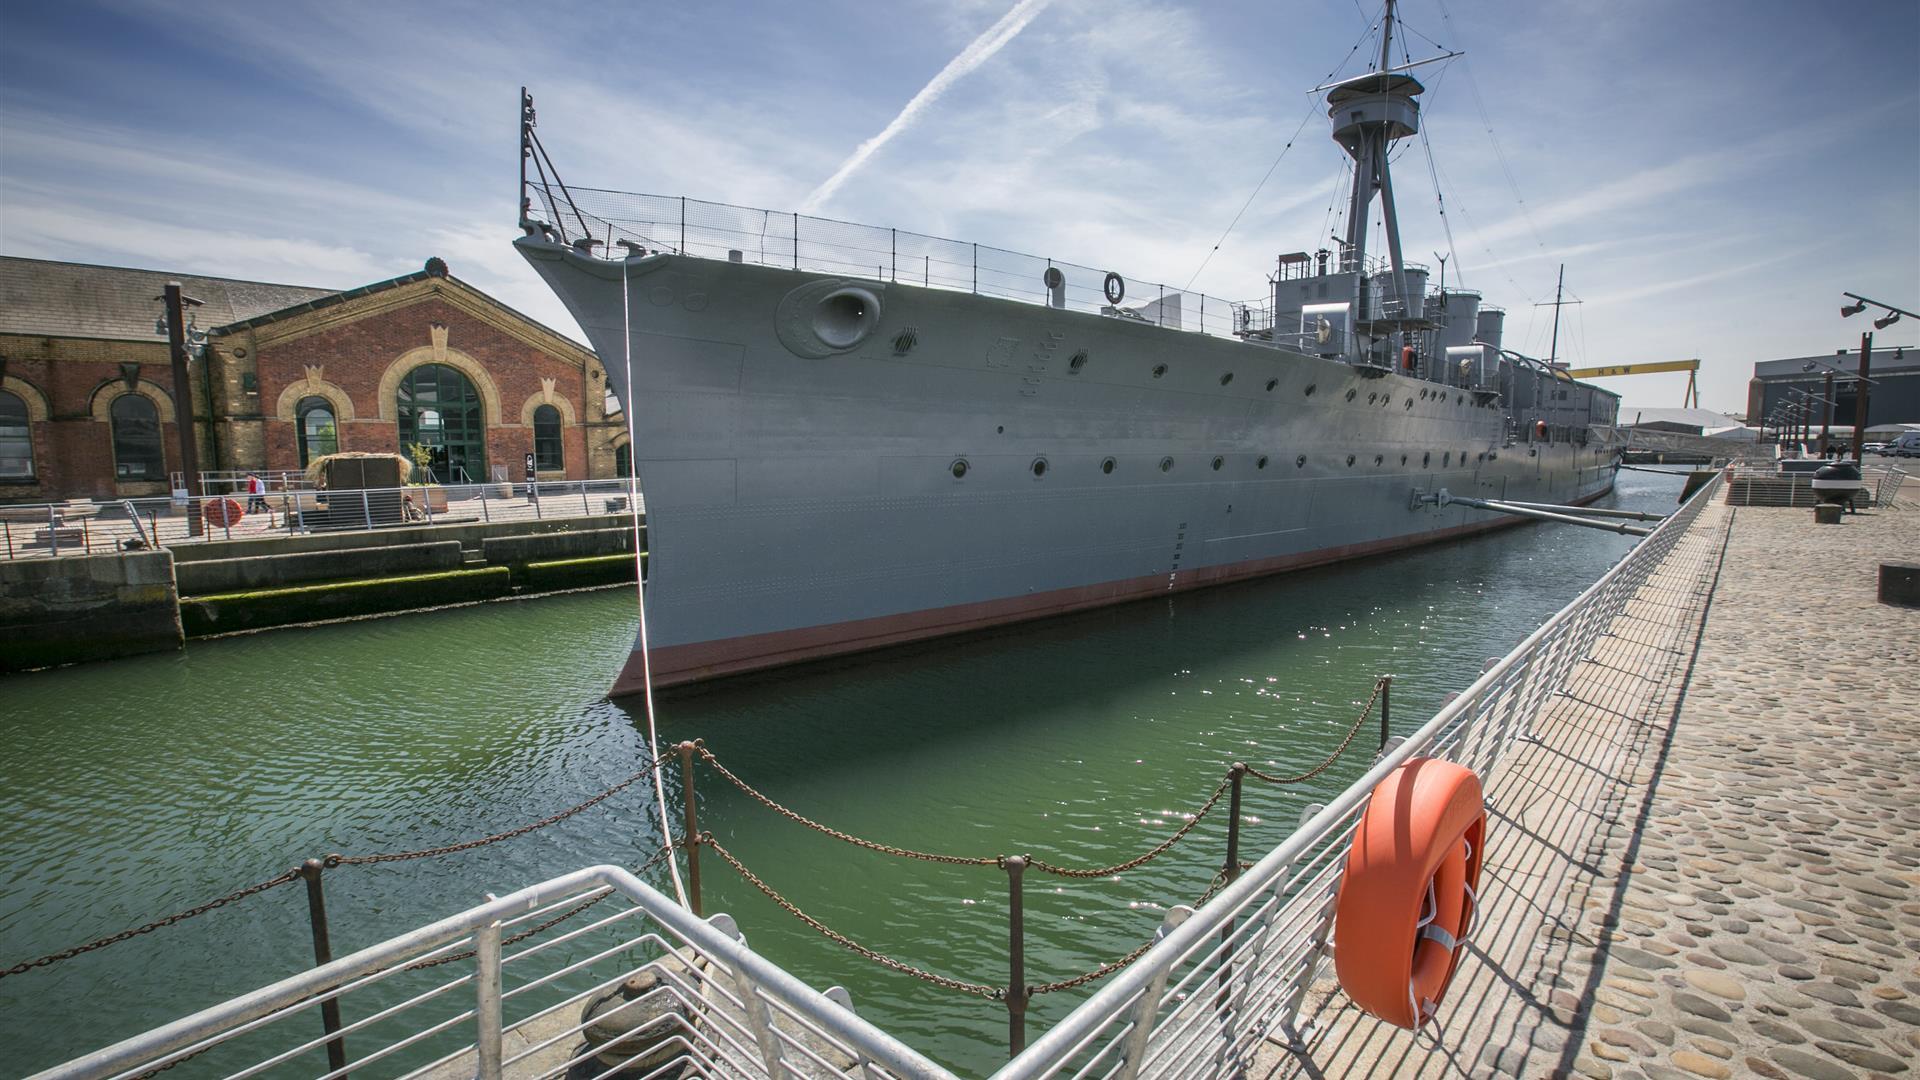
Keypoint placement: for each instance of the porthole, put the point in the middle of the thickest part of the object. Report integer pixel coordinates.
(1217, 462)
(1159, 370)
(1409, 403)
(1166, 464)
(1379, 459)
(1300, 462)
(1371, 398)
(1000, 429)
(1387, 399)
(1426, 459)
(1227, 378)
(1311, 387)
(1039, 467)
(1262, 463)
(959, 468)
(1447, 460)
(1350, 460)
(1271, 383)
(1079, 361)
(1107, 466)
(1351, 394)
(1423, 395)
(1403, 459)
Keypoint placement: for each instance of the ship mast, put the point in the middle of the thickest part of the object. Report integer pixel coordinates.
(1369, 112)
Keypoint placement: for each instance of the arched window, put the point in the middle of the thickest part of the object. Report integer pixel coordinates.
(315, 429)
(440, 411)
(546, 439)
(16, 441)
(136, 440)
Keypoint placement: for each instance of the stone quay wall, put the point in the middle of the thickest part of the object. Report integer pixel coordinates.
(87, 607)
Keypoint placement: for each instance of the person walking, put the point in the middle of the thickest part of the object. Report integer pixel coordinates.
(257, 497)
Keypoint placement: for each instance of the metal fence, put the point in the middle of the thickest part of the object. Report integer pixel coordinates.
(1225, 977)
(497, 991)
(86, 527)
(1215, 983)
(797, 241)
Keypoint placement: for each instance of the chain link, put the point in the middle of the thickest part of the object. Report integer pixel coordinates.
(980, 989)
(332, 861)
(792, 815)
(1327, 764)
(1141, 860)
(149, 928)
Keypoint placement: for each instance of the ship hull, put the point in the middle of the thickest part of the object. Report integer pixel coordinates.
(801, 506)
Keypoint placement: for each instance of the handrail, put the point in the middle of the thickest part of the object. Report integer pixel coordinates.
(1112, 1004)
(702, 935)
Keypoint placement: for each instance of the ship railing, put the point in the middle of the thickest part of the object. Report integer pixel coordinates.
(513, 986)
(892, 256)
(89, 527)
(1225, 978)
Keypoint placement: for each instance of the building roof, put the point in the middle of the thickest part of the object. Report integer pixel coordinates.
(42, 298)
(1843, 363)
(1708, 421)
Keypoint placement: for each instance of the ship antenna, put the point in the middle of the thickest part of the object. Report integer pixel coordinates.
(531, 149)
(640, 596)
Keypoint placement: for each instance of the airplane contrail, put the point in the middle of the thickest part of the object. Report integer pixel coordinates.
(978, 52)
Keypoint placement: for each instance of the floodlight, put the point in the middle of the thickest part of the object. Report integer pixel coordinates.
(1848, 310)
(1882, 324)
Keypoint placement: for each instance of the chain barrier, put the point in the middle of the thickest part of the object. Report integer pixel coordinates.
(994, 993)
(645, 771)
(468, 954)
(202, 909)
(1335, 756)
(795, 816)
(1140, 860)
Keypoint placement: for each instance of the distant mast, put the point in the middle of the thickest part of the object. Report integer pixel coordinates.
(1369, 112)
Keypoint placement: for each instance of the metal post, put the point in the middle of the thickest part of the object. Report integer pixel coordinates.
(976, 268)
(323, 955)
(533, 490)
(893, 254)
(182, 395)
(366, 509)
(484, 514)
(226, 519)
(926, 270)
(86, 538)
(1826, 415)
(683, 224)
(692, 827)
(586, 509)
(487, 1013)
(1386, 713)
(796, 241)
(9, 527)
(1016, 866)
(1860, 400)
(1237, 772)
(426, 498)
(1297, 992)
(1148, 1005)
(53, 532)
(153, 523)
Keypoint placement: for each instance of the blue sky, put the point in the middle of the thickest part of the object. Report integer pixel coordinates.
(1713, 174)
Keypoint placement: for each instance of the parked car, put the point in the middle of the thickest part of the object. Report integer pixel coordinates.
(1876, 448)
(1907, 445)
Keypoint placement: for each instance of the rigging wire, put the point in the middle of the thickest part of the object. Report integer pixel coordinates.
(640, 594)
(1311, 109)
(1473, 86)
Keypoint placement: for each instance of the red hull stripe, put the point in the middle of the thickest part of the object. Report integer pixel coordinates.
(679, 664)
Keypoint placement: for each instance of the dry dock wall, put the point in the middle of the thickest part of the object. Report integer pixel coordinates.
(87, 607)
(205, 576)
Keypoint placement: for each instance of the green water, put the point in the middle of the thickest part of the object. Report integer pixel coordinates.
(132, 789)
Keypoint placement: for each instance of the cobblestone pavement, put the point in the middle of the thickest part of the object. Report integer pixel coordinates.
(1708, 865)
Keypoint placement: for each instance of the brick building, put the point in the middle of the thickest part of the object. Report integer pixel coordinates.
(422, 364)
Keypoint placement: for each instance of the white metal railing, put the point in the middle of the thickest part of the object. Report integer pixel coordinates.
(1218, 982)
(797, 241)
(1223, 978)
(85, 527)
(473, 995)
(235, 481)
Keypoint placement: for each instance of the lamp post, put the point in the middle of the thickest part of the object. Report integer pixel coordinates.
(1893, 314)
(181, 337)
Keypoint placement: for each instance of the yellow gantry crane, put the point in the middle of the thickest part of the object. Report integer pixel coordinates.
(1688, 400)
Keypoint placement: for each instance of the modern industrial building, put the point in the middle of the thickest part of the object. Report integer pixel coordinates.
(422, 364)
(1794, 391)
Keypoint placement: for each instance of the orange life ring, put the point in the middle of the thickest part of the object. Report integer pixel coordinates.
(220, 513)
(1407, 898)
(1540, 430)
(1408, 358)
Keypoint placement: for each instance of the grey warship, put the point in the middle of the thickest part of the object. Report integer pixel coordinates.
(852, 437)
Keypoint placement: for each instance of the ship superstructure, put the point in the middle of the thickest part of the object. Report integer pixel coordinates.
(851, 437)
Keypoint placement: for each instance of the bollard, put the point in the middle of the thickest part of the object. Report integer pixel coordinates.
(692, 825)
(1386, 715)
(1016, 866)
(323, 955)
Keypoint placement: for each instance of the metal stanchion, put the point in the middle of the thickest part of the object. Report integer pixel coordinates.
(1386, 721)
(311, 870)
(53, 532)
(1015, 866)
(366, 509)
(692, 825)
